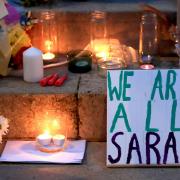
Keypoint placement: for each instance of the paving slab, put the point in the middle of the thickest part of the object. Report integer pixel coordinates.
(93, 167)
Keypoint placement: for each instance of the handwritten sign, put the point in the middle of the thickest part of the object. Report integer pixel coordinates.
(143, 117)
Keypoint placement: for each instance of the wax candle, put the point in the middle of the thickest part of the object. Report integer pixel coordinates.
(48, 56)
(147, 66)
(32, 65)
(44, 139)
(58, 140)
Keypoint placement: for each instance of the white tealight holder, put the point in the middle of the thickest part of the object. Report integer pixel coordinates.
(44, 139)
(58, 140)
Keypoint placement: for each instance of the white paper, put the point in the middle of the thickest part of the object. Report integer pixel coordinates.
(3, 10)
(26, 151)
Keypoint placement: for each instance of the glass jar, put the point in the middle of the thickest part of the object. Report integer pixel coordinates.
(99, 45)
(109, 64)
(98, 25)
(148, 41)
(48, 35)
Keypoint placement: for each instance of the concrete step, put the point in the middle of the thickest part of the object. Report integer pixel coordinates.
(79, 106)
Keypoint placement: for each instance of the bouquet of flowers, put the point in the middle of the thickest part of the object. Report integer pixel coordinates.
(4, 126)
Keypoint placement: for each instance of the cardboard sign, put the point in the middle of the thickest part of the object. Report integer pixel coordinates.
(143, 117)
(3, 10)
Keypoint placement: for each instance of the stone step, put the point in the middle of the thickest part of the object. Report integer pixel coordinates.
(79, 106)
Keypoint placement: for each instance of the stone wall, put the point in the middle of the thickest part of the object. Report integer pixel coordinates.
(30, 115)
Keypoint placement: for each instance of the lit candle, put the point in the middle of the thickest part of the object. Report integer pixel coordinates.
(48, 56)
(102, 54)
(32, 65)
(147, 66)
(44, 139)
(58, 140)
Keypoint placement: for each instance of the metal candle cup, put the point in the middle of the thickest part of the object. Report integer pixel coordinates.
(48, 56)
(59, 140)
(44, 139)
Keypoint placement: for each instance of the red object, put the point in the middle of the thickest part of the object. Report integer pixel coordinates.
(60, 80)
(53, 79)
(18, 58)
(44, 81)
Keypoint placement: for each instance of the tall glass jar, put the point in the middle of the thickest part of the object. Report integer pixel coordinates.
(99, 43)
(148, 41)
(98, 25)
(48, 34)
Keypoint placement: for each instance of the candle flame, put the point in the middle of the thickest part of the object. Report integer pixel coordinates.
(46, 132)
(48, 45)
(101, 47)
(103, 55)
(48, 56)
(55, 124)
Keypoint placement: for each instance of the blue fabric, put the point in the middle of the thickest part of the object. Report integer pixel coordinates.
(18, 5)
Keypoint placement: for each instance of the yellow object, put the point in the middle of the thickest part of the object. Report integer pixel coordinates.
(18, 38)
(5, 53)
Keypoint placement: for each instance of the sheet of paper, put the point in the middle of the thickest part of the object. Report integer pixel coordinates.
(3, 10)
(26, 151)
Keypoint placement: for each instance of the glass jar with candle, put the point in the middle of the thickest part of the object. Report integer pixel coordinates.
(99, 41)
(108, 64)
(148, 41)
(49, 36)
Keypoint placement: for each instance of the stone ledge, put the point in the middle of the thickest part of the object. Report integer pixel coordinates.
(16, 85)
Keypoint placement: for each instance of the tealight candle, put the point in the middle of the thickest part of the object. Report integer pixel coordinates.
(44, 139)
(147, 66)
(48, 56)
(59, 140)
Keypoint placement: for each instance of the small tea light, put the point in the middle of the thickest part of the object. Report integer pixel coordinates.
(59, 140)
(102, 54)
(44, 139)
(48, 56)
(147, 66)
